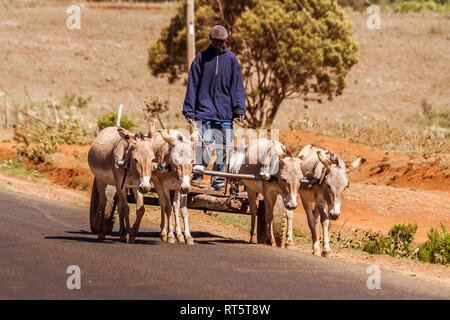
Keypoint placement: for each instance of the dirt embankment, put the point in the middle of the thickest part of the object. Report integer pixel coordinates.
(388, 188)
(381, 167)
(374, 205)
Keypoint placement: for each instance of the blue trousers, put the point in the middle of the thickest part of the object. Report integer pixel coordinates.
(218, 133)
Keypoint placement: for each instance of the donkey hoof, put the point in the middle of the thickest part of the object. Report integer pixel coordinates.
(190, 241)
(180, 238)
(100, 236)
(325, 254)
(317, 253)
(289, 246)
(130, 239)
(171, 239)
(253, 240)
(163, 237)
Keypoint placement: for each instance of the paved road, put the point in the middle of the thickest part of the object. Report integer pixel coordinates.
(39, 240)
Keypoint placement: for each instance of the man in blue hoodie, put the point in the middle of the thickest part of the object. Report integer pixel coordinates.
(215, 96)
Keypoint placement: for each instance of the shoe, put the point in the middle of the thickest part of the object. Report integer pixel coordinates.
(198, 169)
(219, 188)
(196, 182)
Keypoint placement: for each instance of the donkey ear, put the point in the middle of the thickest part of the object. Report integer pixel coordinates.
(194, 136)
(126, 135)
(305, 151)
(341, 163)
(323, 159)
(166, 137)
(151, 130)
(284, 152)
(358, 162)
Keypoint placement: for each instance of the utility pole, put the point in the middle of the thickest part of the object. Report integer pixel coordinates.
(190, 32)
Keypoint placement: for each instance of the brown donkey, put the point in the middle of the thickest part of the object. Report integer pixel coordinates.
(118, 158)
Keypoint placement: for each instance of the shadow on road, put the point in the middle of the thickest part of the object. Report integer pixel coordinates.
(200, 237)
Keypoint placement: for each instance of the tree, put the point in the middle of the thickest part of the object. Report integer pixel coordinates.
(286, 48)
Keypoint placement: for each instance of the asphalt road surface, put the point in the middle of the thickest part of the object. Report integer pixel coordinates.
(40, 240)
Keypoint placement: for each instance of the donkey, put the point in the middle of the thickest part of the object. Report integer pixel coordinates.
(328, 169)
(271, 160)
(110, 148)
(172, 149)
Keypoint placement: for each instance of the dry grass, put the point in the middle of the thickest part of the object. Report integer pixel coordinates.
(408, 60)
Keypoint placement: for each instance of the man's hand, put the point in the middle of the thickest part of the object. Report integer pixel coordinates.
(241, 117)
(190, 120)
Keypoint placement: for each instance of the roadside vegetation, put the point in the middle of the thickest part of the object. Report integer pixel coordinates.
(399, 243)
(400, 6)
(43, 125)
(425, 132)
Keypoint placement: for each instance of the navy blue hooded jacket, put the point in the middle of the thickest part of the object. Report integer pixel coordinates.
(215, 88)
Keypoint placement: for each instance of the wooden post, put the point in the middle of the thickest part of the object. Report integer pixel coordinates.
(27, 103)
(190, 32)
(6, 109)
(119, 115)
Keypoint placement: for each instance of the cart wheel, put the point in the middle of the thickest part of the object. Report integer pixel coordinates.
(93, 210)
(261, 223)
(279, 222)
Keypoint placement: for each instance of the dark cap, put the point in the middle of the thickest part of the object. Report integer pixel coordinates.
(218, 32)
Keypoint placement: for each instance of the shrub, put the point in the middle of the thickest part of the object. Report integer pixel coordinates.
(110, 119)
(416, 6)
(396, 244)
(37, 143)
(437, 248)
(399, 240)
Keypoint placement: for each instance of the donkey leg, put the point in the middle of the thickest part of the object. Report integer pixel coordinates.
(101, 187)
(185, 215)
(165, 196)
(325, 221)
(140, 210)
(289, 235)
(122, 231)
(162, 206)
(176, 213)
(252, 196)
(124, 211)
(269, 199)
(312, 226)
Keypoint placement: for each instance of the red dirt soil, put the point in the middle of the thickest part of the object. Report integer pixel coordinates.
(388, 188)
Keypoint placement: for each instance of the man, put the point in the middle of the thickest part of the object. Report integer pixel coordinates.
(215, 96)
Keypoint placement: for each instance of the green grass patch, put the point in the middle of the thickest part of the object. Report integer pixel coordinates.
(4, 188)
(14, 167)
(234, 219)
(298, 233)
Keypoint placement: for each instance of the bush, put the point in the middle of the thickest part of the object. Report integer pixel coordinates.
(37, 143)
(357, 5)
(399, 240)
(416, 6)
(398, 243)
(437, 248)
(110, 119)
(49, 123)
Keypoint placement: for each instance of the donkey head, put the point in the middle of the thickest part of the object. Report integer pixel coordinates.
(181, 158)
(288, 177)
(141, 157)
(334, 184)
